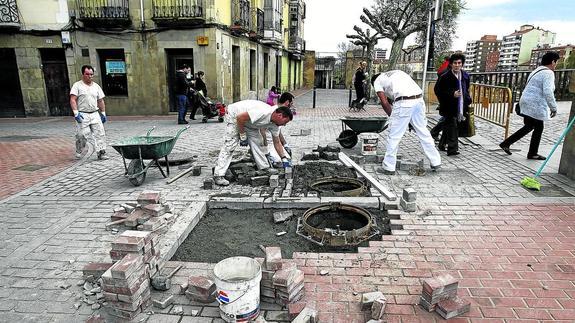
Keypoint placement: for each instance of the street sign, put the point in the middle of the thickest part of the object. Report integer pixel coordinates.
(203, 40)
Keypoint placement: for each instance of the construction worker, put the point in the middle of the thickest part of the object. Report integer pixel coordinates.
(244, 119)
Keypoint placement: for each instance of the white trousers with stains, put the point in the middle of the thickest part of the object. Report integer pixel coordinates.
(91, 126)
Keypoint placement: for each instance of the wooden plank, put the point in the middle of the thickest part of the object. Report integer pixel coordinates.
(374, 182)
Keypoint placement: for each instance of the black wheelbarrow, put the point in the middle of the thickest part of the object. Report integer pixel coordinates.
(351, 127)
(141, 148)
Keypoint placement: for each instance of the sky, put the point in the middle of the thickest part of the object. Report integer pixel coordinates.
(328, 21)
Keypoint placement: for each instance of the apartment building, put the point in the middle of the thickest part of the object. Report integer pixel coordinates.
(477, 52)
(516, 48)
(537, 53)
(243, 46)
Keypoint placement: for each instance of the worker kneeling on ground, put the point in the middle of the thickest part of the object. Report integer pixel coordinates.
(244, 119)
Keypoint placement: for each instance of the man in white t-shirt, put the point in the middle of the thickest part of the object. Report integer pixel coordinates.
(244, 119)
(87, 102)
(407, 107)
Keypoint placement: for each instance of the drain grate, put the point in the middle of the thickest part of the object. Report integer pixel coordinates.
(19, 138)
(30, 168)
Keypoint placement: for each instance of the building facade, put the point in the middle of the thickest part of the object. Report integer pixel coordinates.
(411, 59)
(243, 46)
(563, 51)
(516, 48)
(476, 53)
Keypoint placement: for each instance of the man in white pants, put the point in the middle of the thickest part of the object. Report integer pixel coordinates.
(87, 102)
(244, 119)
(408, 107)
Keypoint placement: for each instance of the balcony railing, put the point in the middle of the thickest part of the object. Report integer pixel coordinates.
(178, 11)
(103, 10)
(295, 42)
(9, 17)
(257, 23)
(240, 16)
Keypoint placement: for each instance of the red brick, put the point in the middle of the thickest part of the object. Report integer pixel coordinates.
(149, 197)
(530, 313)
(563, 314)
(497, 312)
(201, 285)
(96, 269)
(542, 303)
(128, 265)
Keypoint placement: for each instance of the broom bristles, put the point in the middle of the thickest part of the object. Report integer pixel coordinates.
(531, 183)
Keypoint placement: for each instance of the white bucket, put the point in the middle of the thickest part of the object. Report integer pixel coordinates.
(238, 288)
(369, 143)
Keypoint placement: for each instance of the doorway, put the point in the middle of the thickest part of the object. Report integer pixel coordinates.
(56, 79)
(11, 103)
(176, 58)
(236, 77)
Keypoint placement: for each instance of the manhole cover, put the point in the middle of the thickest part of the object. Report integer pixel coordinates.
(30, 168)
(338, 186)
(19, 138)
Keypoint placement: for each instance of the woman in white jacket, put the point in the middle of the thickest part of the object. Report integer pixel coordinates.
(537, 104)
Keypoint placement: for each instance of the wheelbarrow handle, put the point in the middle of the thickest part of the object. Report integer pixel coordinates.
(150, 131)
(181, 130)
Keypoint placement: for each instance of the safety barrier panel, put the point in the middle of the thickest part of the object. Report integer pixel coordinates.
(491, 103)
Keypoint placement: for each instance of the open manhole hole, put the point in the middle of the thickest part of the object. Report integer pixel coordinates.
(337, 225)
(223, 233)
(30, 168)
(338, 186)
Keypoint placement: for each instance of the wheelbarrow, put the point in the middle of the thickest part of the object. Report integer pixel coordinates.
(142, 148)
(351, 127)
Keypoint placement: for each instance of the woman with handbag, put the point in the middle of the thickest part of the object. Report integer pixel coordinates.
(537, 104)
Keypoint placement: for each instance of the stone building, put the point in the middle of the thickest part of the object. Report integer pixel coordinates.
(243, 46)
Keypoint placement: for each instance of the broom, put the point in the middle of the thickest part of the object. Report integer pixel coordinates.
(531, 182)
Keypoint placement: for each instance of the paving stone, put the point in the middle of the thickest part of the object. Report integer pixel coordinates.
(408, 206)
(409, 194)
(282, 216)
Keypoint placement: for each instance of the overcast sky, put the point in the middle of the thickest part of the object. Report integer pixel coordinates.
(328, 21)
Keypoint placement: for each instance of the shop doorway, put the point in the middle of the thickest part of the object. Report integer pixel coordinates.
(11, 103)
(176, 58)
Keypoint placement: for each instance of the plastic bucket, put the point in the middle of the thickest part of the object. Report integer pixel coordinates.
(369, 143)
(238, 288)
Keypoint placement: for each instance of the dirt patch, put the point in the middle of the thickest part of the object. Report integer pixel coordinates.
(306, 173)
(224, 233)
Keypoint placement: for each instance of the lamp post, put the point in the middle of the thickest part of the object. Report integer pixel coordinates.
(435, 14)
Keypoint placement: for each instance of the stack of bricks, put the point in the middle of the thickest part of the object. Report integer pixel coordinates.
(375, 302)
(142, 243)
(150, 212)
(440, 294)
(126, 287)
(282, 283)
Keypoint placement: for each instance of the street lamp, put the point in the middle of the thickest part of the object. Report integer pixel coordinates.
(435, 14)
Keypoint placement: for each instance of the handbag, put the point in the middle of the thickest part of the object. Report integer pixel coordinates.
(517, 107)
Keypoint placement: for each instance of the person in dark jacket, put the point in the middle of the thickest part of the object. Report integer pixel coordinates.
(439, 125)
(359, 81)
(200, 87)
(181, 90)
(452, 91)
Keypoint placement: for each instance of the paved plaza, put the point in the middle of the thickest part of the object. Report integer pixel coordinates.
(513, 250)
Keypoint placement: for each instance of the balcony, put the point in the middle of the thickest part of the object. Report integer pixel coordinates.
(273, 30)
(9, 17)
(257, 24)
(178, 12)
(295, 43)
(240, 16)
(103, 12)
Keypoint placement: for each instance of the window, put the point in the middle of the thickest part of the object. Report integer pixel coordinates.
(113, 71)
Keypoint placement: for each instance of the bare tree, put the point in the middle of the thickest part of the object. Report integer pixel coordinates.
(367, 42)
(397, 19)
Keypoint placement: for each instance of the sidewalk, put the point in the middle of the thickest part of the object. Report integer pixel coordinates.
(511, 248)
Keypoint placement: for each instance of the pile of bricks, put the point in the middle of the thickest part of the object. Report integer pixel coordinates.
(142, 243)
(126, 287)
(440, 294)
(149, 213)
(282, 283)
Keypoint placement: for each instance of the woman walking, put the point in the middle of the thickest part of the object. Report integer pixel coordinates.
(359, 81)
(537, 104)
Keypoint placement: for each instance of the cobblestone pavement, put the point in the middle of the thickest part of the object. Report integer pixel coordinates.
(474, 220)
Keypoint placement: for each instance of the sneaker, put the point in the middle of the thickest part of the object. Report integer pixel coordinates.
(436, 167)
(381, 170)
(505, 149)
(183, 122)
(102, 155)
(453, 153)
(221, 181)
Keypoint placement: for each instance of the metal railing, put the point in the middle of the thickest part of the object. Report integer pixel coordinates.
(516, 80)
(241, 15)
(174, 9)
(295, 42)
(9, 14)
(103, 9)
(493, 104)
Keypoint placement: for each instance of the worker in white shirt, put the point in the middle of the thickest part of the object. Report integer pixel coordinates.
(244, 119)
(407, 107)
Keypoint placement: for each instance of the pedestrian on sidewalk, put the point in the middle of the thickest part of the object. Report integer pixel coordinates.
(87, 102)
(244, 119)
(359, 79)
(452, 91)
(273, 95)
(181, 89)
(199, 86)
(408, 107)
(436, 130)
(537, 104)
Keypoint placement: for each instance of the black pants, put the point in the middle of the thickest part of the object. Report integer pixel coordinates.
(359, 91)
(437, 128)
(449, 135)
(528, 125)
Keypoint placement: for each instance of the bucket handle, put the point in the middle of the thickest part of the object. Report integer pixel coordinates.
(242, 295)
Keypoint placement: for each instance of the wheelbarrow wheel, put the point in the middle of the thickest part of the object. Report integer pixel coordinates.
(136, 166)
(347, 138)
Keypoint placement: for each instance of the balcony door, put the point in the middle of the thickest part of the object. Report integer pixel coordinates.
(11, 103)
(176, 58)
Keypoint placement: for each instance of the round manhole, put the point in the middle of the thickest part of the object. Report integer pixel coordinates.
(337, 225)
(338, 186)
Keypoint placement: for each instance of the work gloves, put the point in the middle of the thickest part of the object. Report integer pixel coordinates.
(103, 117)
(78, 116)
(287, 149)
(286, 162)
(243, 139)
